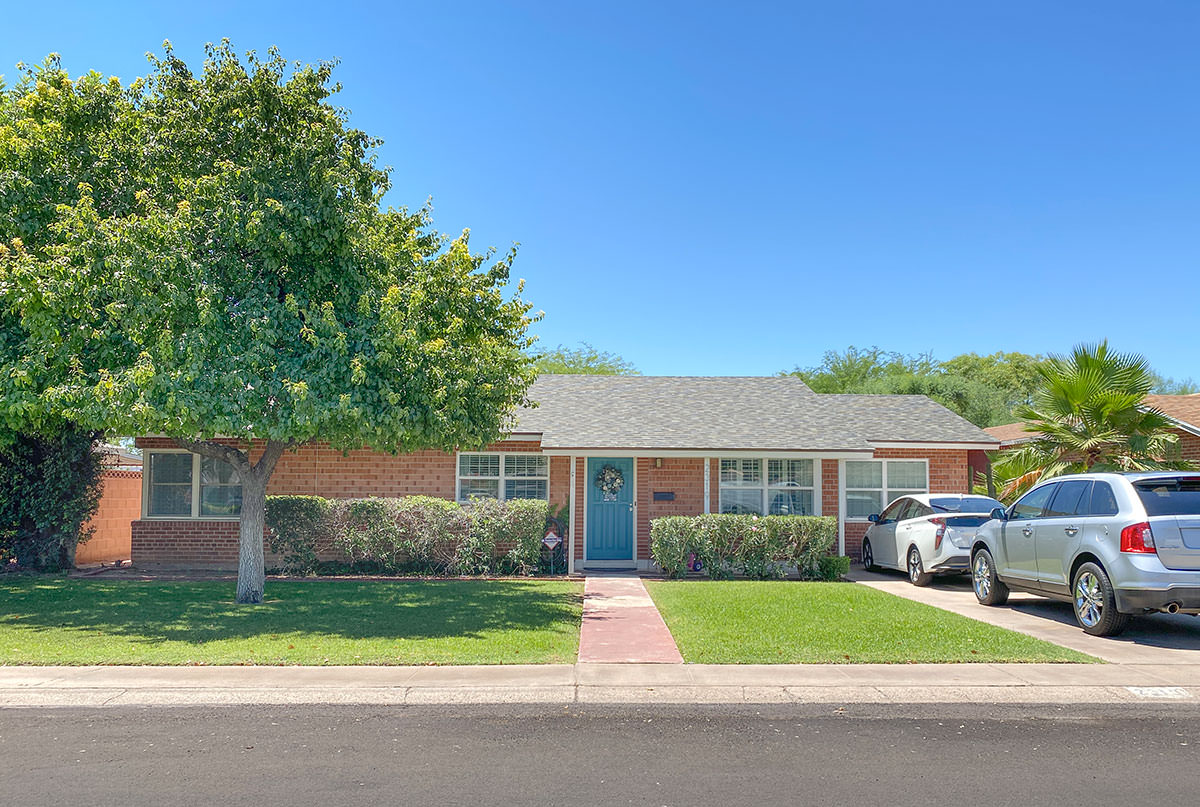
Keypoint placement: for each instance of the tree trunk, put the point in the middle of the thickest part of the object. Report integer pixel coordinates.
(252, 577)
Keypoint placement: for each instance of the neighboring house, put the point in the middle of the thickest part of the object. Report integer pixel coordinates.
(120, 505)
(1184, 410)
(677, 445)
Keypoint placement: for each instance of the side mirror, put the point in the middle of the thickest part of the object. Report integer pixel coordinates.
(999, 513)
(873, 518)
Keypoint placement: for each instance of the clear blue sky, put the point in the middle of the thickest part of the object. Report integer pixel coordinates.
(734, 188)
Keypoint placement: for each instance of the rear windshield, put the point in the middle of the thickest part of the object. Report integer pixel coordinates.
(964, 504)
(1170, 497)
(967, 521)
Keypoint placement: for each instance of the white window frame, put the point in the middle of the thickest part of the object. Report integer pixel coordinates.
(146, 487)
(885, 490)
(502, 478)
(764, 487)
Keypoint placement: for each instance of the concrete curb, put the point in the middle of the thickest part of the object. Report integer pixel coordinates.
(601, 684)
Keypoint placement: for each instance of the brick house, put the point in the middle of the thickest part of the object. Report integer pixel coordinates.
(616, 452)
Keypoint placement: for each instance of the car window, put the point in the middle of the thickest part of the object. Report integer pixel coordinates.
(965, 504)
(891, 513)
(921, 510)
(1178, 496)
(1033, 503)
(912, 511)
(1104, 501)
(906, 511)
(1073, 498)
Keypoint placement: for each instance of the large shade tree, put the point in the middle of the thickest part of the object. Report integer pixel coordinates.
(1089, 414)
(205, 256)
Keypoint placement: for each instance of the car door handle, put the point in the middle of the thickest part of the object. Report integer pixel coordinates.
(1070, 530)
(1027, 531)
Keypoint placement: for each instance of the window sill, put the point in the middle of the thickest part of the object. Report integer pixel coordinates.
(190, 518)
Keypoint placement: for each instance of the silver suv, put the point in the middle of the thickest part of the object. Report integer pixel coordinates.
(1111, 544)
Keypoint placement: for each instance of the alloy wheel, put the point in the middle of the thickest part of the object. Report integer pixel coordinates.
(868, 558)
(981, 576)
(914, 565)
(1089, 599)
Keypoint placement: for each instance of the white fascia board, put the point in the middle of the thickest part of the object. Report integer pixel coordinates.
(705, 452)
(1182, 424)
(989, 446)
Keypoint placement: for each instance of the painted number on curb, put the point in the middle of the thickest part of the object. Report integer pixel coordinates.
(1160, 692)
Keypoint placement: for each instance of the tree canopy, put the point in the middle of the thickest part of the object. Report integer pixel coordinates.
(983, 389)
(206, 255)
(583, 360)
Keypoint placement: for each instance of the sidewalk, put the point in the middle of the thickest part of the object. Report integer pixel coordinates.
(601, 683)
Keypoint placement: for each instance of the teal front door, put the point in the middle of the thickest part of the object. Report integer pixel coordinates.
(610, 508)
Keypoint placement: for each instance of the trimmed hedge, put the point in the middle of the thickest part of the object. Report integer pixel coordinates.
(754, 546)
(414, 534)
(300, 531)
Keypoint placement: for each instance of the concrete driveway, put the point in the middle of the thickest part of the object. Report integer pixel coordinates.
(1155, 639)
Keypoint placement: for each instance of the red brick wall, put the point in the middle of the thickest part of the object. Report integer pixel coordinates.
(1189, 445)
(579, 502)
(683, 476)
(192, 543)
(120, 505)
(317, 470)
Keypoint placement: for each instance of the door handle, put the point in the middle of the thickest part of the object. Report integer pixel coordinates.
(1027, 531)
(1070, 530)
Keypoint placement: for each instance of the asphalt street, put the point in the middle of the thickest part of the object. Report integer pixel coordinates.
(550, 755)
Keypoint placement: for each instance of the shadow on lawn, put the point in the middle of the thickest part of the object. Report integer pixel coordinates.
(202, 612)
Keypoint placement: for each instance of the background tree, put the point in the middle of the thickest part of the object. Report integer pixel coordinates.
(50, 486)
(983, 389)
(1165, 385)
(205, 256)
(1089, 415)
(583, 360)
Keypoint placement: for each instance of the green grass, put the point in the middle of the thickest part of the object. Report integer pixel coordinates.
(63, 621)
(785, 622)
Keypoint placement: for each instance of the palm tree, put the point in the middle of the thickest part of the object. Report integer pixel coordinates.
(1089, 414)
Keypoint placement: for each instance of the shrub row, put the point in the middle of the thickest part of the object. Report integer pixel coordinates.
(757, 547)
(414, 534)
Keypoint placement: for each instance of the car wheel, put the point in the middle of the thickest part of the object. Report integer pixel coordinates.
(1095, 603)
(989, 589)
(868, 557)
(916, 570)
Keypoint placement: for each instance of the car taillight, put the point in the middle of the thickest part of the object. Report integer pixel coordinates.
(1137, 538)
(941, 532)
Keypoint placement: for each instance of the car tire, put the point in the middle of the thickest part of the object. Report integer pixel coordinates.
(868, 557)
(989, 588)
(916, 569)
(1095, 602)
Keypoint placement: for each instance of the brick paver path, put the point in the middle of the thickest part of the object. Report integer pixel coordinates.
(621, 624)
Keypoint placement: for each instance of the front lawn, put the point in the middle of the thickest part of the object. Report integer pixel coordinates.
(61, 621)
(785, 622)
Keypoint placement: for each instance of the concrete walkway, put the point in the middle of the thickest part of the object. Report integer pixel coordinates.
(1156, 639)
(603, 683)
(622, 625)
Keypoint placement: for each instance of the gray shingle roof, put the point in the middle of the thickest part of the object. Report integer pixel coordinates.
(729, 413)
